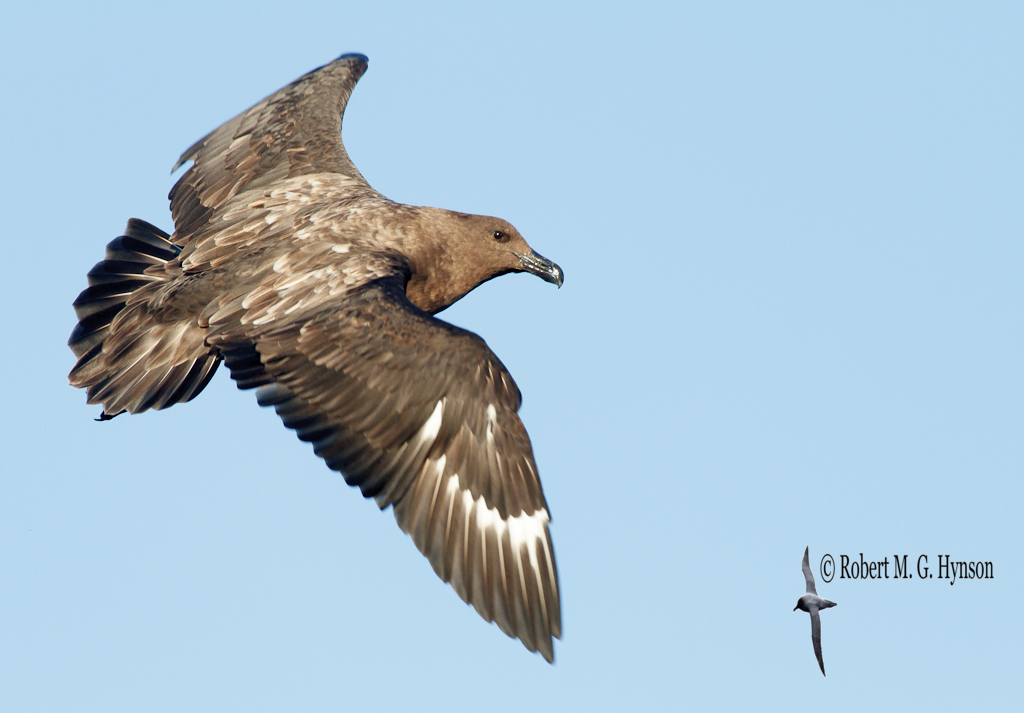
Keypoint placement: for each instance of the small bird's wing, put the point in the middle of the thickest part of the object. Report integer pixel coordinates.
(808, 574)
(296, 131)
(816, 635)
(420, 415)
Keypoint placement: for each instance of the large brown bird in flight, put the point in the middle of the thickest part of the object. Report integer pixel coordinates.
(320, 293)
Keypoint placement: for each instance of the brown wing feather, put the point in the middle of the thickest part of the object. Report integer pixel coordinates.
(423, 416)
(294, 132)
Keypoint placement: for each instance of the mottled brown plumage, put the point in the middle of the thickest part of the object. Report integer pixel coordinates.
(320, 293)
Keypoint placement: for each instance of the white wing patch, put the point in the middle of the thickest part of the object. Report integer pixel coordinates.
(503, 566)
(432, 425)
(492, 419)
(525, 531)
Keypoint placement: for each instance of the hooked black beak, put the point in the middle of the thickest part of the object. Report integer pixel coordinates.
(541, 267)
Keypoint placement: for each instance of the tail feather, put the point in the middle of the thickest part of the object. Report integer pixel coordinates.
(129, 360)
(113, 280)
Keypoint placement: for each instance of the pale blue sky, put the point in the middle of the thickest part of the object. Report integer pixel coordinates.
(792, 244)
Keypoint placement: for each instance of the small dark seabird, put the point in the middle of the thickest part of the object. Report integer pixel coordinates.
(812, 604)
(320, 293)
